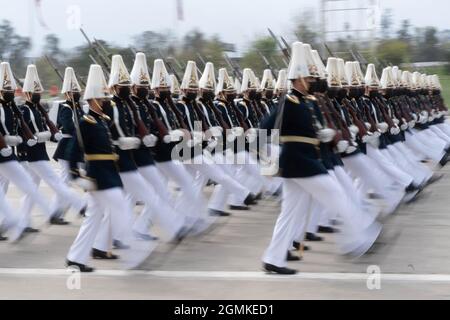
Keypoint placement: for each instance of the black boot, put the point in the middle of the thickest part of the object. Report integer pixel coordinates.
(81, 267)
(250, 200)
(312, 237)
(31, 230)
(292, 257)
(55, 221)
(298, 245)
(102, 255)
(270, 268)
(328, 230)
(218, 213)
(2, 238)
(240, 208)
(82, 212)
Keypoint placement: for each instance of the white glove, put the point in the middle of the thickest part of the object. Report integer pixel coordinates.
(167, 139)
(396, 121)
(216, 131)
(6, 152)
(404, 126)
(366, 138)
(326, 135)
(351, 149)
(32, 142)
(412, 124)
(251, 137)
(383, 127)
(43, 136)
(237, 131)
(129, 143)
(342, 146)
(415, 117)
(374, 141)
(176, 135)
(58, 136)
(150, 140)
(376, 134)
(13, 141)
(354, 129)
(368, 126)
(85, 184)
(395, 130)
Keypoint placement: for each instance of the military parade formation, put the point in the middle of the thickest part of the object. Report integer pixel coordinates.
(138, 149)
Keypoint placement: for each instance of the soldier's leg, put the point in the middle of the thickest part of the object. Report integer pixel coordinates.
(66, 195)
(357, 233)
(155, 209)
(293, 217)
(82, 246)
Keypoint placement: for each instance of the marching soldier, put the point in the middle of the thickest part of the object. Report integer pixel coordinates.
(305, 177)
(128, 134)
(166, 157)
(67, 111)
(192, 112)
(36, 158)
(102, 180)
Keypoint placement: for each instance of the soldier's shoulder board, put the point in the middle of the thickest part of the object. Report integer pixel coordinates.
(89, 119)
(293, 98)
(311, 98)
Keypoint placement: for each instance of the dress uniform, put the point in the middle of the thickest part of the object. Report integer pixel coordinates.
(126, 138)
(66, 112)
(167, 153)
(194, 112)
(102, 180)
(306, 179)
(35, 157)
(12, 130)
(158, 194)
(235, 140)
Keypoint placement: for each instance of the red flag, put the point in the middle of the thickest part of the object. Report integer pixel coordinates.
(39, 13)
(180, 11)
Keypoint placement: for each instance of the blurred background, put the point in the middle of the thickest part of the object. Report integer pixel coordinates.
(385, 32)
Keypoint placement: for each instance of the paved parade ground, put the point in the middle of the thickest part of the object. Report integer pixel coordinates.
(413, 257)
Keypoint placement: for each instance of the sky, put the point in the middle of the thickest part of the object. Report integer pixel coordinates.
(236, 21)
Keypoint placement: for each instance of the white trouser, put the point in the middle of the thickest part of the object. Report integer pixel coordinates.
(155, 208)
(429, 139)
(191, 203)
(382, 159)
(248, 174)
(106, 202)
(65, 197)
(226, 184)
(374, 179)
(402, 157)
(14, 173)
(298, 195)
(65, 170)
(445, 127)
(153, 176)
(440, 133)
(424, 150)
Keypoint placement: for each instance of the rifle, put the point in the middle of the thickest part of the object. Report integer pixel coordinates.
(201, 59)
(201, 116)
(142, 129)
(218, 115)
(236, 72)
(356, 121)
(330, 123)
(170, 67)
(54, 68)
(96, 51)
(266, 61)
(284, 50)
(162, 130)
(330, 53)
(286, 44)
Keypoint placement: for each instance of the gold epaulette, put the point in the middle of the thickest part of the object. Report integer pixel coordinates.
(101, 157)
(293, 98)
(311, 97)
(89, 119)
